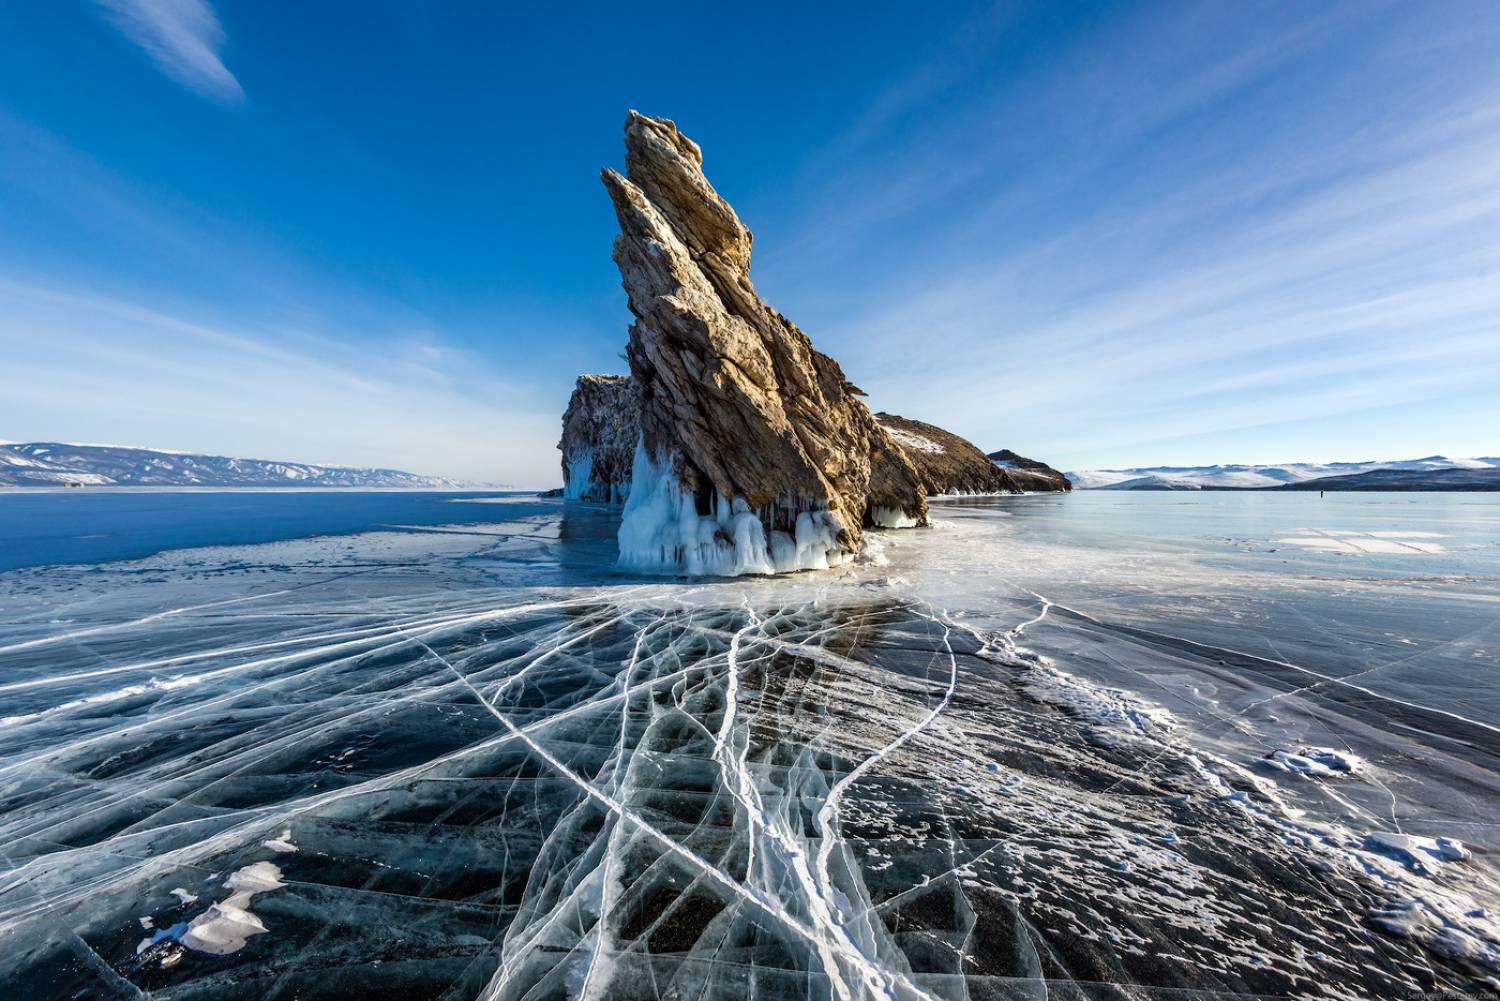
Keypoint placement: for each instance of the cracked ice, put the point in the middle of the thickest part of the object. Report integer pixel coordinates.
(469, 764)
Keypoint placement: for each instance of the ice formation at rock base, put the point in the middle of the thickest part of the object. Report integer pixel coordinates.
(662, 530)
(600, 428)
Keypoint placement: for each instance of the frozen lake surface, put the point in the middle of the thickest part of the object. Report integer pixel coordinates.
(1096, 746)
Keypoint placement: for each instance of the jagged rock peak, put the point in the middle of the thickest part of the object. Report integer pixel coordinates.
(756, 455)
(667, 166)
(600, 429)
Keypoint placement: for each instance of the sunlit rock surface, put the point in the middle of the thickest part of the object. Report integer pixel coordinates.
(757, 455)
(949, 465)
(600, 429)
(1029, 474)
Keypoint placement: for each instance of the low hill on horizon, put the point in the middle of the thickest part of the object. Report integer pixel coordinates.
(55, 464)
(1293, 475)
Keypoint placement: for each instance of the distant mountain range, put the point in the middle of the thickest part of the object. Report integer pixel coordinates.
(54, 464)
(1435, 472)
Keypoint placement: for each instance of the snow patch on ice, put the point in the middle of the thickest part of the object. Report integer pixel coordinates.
(1365, 543)
(227, 925)
(1116, 715)
(281, 844)
(1319, 762)
(1420, 854)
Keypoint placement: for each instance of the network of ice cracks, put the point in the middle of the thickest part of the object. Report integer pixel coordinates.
(810, 788)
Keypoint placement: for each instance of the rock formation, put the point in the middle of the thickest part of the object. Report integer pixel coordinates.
(600, 429)
(1031, 475)
(948, 464)
(756, 454)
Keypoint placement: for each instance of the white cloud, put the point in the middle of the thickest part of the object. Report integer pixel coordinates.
(183, 37)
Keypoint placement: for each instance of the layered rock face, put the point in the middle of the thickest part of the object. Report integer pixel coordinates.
(1033, 476)
(600, 430)
(756, 455)
(948, 464)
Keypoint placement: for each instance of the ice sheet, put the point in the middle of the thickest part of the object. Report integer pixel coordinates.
(992, 762)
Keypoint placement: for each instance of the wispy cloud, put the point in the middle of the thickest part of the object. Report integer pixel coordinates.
(184, 37)
(1297, 229)
(81, 366)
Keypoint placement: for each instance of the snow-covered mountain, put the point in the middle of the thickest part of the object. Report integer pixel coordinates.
(51, 464)
(1237, 477)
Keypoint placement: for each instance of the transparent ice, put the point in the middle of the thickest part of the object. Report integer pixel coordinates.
(1016, 756)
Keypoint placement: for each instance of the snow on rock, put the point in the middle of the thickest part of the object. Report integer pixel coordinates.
(740, 415)
(908, 440)
(1031, 475)
(946, 463)
(600, 429)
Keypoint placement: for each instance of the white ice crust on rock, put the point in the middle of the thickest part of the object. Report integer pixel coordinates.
(662, 531)
(580, 483)
(580, 465)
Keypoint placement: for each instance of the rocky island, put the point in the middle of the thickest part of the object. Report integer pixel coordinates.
(735, 445)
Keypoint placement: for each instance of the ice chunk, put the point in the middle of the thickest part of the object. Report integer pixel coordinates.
(255, 878)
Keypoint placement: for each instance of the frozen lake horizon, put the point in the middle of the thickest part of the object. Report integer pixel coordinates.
(434, 745)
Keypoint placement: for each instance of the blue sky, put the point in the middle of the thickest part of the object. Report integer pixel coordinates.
(1100, 234)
